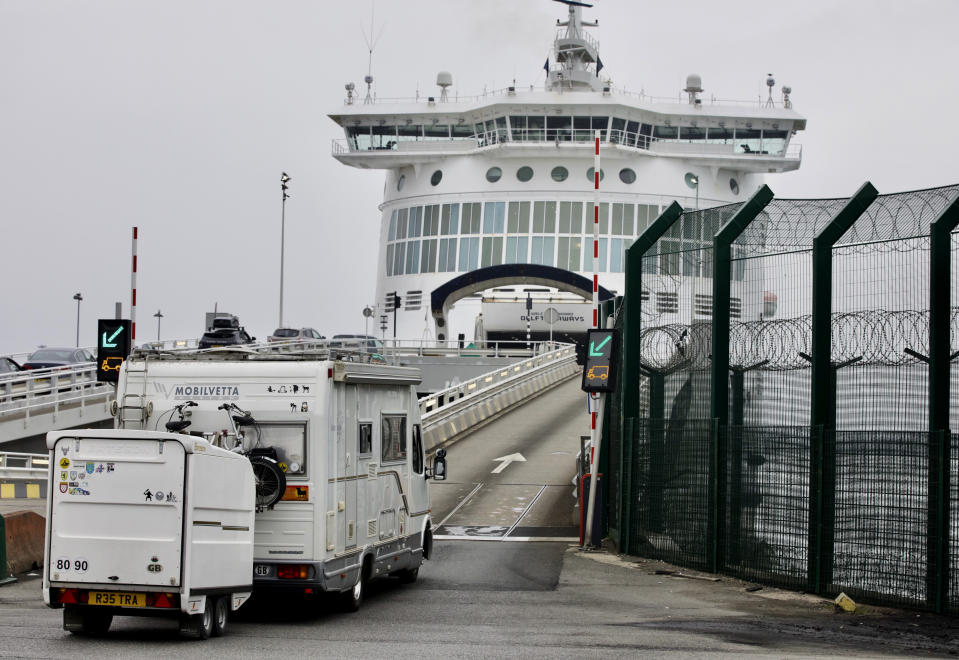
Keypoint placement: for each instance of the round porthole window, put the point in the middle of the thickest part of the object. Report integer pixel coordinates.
(400, 183)
(493, 174)
(734, 186)
(590, 174)
(559, 173)
(626, 175)
(524, 173)
(437, 177)
(691, 180)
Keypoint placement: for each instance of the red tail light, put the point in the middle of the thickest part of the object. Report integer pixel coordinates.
(68, 596)
(292, 572)
(161, 599)
(27, 367)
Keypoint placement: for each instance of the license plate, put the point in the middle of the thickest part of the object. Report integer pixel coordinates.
(117, 599)
(262, 570)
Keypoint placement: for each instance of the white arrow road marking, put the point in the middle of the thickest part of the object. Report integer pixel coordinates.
(506, 461)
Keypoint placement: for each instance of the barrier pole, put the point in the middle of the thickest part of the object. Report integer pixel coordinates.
(598, 403)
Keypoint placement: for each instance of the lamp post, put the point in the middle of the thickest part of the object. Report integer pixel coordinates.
(367, 313)
(78, 298)
(158, 316)
(284, 179)
(695, 181)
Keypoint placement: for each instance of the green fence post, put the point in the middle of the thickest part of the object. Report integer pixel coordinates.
(632, 321)
(822, 456)
(719, 374)
(940, 359)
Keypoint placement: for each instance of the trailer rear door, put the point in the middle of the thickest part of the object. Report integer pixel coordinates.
(117, 511)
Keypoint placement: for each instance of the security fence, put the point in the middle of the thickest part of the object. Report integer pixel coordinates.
(789, 394)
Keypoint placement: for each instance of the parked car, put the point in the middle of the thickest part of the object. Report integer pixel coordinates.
(57, 357)
(295, 334)
(367, 343)
(225, 332)
(9, 366)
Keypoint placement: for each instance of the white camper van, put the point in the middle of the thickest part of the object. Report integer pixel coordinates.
(337, 448)
(143, 523)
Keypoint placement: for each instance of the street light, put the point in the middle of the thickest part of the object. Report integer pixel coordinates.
(284, 179)
(158, 316)
(78, 298)
(695, 181)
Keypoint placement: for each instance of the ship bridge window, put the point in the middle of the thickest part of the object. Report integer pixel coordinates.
(692, 133)
(570, 217)
(748, 141)
(447, 256)
(401, 223)
(428, 263)
(603, 218)
(774, 141)
(392, 233)
(666, 133)
(617, 130)
(544, 218)
(411, 133)
(469, 254)
(536, 127)
(412, 257)
(518, 130)
(559, 173)
(525, 173)
(617, 254)
(720, 135)
(645, 136)
(399, 258)
(462, 132)
(360, 137)
(559, 129)
(436, 132)
(383, 137)
(494, 174)
(567, 252)
(632, 135)
(517, 249)
(584, 128)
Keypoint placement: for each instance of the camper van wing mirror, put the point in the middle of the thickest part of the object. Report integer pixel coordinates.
(439, 465)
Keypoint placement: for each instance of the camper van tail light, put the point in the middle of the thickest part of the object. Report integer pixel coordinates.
(293, 572)
(329, 373)
(161, 599)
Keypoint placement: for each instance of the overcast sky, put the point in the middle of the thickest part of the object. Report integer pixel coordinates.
(178, 117)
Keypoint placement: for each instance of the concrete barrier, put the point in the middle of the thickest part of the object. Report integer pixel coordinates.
(24, 541)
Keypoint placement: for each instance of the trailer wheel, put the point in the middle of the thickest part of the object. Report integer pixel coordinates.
(83, 621)
(270, 481)
(198, 626)
(221, 615)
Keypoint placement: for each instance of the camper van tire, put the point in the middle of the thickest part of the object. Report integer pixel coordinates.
(353, 598)
(270, 481)
(86, 621)
(198, 626)
(221, 616)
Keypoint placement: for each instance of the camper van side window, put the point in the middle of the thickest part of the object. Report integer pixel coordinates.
(417, 450)
(366, 438)
(393, 438)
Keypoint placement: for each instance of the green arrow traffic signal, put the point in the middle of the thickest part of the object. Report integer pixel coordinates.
(106, 343)
(596, 351)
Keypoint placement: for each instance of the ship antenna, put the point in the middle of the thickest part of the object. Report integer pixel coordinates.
(370, 45)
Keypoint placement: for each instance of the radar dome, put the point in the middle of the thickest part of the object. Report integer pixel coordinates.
(694, 83)
(444, 79)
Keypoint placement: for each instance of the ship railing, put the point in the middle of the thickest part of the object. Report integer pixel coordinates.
(563, 34)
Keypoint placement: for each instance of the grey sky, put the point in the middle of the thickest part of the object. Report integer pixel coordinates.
(178, 117)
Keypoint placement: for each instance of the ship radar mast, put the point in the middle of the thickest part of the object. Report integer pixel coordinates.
(576, 52)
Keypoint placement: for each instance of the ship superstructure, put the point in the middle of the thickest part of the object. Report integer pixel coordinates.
(507, 178)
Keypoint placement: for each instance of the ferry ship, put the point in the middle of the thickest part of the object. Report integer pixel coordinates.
(487, 209)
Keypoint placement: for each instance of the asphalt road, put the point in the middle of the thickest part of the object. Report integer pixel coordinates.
(484, 596)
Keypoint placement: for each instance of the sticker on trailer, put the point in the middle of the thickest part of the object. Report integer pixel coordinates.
(64, 462)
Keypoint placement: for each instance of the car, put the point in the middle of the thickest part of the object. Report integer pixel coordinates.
(9, 366)
(295, 334)
(226, 331)
(367, 343)
(57, 357)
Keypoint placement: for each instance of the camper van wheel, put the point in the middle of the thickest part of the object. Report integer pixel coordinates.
(83, 621)
(198, 626)
(408, 575)
(353, 598)
(221, 615)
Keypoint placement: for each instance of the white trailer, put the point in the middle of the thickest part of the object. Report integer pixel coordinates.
(352, 501)
(146, 523)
